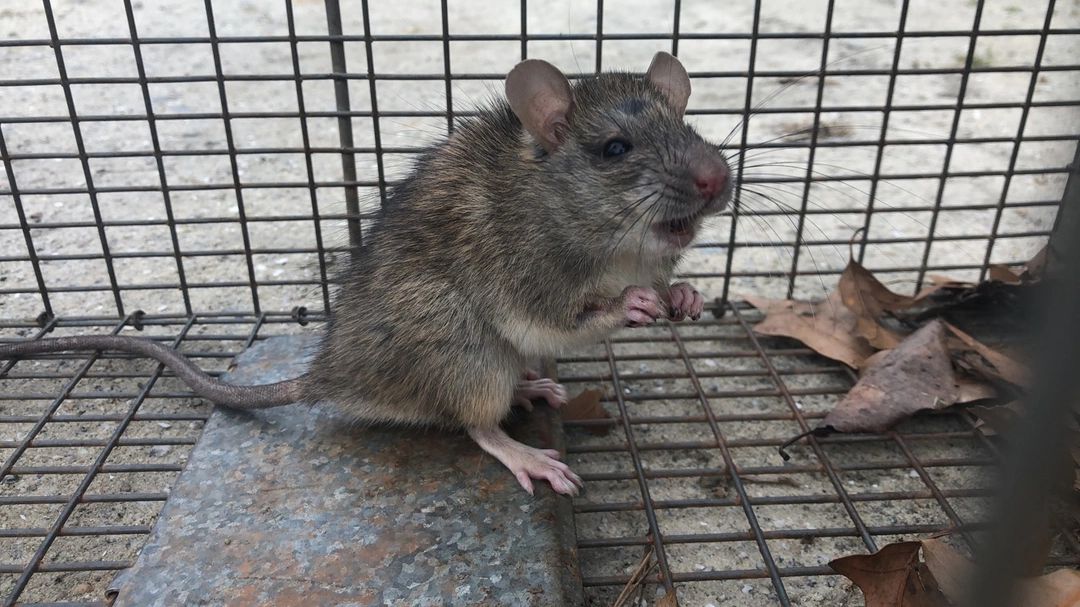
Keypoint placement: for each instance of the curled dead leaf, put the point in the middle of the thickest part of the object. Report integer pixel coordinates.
(994, 420)
(1003, 273)
(586, 406)
(827, 327)
(891, 577)
(914, 376)
(871, 301)
(1033, 269)
(953, 573)
(1001, 367)
(969, 390)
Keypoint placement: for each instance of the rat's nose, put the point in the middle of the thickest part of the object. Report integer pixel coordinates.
(711, 181)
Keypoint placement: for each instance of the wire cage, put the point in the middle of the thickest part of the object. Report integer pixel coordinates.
(189, 171)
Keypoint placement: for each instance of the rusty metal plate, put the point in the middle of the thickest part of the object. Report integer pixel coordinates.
(291, 506)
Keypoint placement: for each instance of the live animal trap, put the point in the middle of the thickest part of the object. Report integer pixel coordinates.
(190, 170)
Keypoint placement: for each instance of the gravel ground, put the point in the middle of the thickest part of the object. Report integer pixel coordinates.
(221, 232)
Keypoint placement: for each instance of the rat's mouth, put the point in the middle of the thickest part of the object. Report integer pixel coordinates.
(679, 231)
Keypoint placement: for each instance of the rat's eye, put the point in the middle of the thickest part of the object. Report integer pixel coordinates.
(616, 147)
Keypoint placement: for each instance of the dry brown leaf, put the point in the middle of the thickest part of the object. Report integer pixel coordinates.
(914, 376)
(953, 574)
(1058, 589)
(869, 300)
(1003, 367)
(950, 569)
(827, 327)
(874, 295)
(969, 390)
(994, 420)
(586, 406)
(1002, 273)
(882, 299)
(938, 282)
(872, 360)
(891, 577)
(1033, 270)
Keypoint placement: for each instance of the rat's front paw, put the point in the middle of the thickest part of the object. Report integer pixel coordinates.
(685, 301)
(642, 306)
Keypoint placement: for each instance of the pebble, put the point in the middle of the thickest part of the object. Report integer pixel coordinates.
(699, 567)
(165, 425)
(160, 450)
(747, 589)
(83, 588)
(913, 474)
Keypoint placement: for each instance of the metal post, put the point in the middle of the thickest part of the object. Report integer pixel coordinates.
(345, 134)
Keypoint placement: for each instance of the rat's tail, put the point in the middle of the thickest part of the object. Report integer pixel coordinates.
(218, 392)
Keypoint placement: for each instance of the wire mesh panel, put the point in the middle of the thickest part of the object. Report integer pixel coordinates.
(197, 168)
(685, 482)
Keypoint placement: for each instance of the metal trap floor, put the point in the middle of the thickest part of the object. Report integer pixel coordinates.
(92, 443)
(686, 479)
(688, 485)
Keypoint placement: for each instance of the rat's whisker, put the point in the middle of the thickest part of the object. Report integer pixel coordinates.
(809, 249)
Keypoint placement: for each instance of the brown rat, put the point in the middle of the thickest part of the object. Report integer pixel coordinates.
(547, 221)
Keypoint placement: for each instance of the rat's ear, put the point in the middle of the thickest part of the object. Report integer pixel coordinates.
(668, 75)
(541, 98)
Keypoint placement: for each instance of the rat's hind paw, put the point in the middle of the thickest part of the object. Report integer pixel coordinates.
(527, 463)
(534, 386)
(685, 301)
(541, 464)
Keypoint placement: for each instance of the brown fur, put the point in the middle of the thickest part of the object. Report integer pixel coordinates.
(494, 250)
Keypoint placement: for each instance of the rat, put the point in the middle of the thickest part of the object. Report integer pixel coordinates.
(548, 221)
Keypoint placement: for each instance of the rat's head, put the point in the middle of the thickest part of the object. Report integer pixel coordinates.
(640, 175)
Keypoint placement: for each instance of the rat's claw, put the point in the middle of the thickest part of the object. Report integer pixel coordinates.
(643, 306)
(685, 301)
(539, 465)
(528, 463)
(524, 480)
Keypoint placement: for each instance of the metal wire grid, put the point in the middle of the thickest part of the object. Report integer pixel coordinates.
(345, 191)
(146, 423)
(760, 393)
(339, 200)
